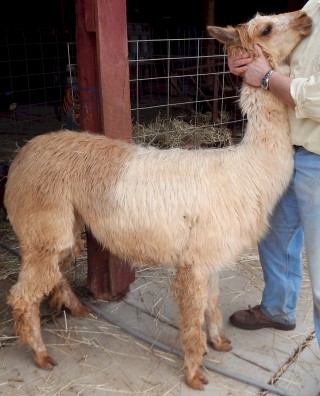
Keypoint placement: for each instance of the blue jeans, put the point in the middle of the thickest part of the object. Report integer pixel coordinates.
(295, 223)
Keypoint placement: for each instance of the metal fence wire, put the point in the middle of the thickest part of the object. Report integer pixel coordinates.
(182, 82)
(181, 91)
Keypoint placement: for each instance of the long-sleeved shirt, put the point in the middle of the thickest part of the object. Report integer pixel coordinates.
(305, 86)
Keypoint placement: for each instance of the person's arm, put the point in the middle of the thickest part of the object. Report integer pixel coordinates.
(253, 70)
(279, 85)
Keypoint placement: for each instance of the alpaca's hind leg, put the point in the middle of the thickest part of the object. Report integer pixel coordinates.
(190, 290)
(216, 338)
(62, 295)
(39, 273)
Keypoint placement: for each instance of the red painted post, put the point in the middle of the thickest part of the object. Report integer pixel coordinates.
(113, 67)
(103, 81)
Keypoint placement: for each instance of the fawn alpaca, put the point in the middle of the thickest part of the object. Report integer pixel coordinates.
(194, 209)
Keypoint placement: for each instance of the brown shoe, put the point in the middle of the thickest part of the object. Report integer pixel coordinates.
(254, 319)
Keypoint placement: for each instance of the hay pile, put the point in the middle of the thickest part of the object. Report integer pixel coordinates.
(176, 132)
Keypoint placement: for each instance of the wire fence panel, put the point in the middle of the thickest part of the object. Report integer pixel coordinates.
(182, 84)
(33, 79)
(181, 91)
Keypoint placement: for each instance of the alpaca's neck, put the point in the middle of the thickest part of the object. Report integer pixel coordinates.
(267, 116)
(263, 107)
(267, 141)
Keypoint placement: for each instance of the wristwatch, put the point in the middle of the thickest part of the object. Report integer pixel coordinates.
(265, 80)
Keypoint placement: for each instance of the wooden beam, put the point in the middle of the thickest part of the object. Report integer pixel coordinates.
(103, 81)
(113, 68)
(209, 13)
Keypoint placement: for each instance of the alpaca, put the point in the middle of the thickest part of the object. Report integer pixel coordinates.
(192, 209)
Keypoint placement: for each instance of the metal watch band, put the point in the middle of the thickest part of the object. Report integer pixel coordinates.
(265, 80)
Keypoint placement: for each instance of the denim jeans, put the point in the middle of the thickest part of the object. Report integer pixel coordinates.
(295, 223)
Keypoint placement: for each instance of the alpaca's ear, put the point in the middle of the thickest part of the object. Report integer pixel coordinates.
(227, 35)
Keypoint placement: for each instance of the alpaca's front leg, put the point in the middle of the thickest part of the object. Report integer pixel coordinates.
(216, 338)
(190, 290)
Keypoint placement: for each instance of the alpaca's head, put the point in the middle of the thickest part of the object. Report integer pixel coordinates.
(276, 34)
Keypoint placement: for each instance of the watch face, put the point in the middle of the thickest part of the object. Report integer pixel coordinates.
(265, 81)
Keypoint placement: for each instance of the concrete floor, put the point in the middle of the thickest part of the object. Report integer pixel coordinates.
(96, 357)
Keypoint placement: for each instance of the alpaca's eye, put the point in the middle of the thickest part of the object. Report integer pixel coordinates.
(266, 30)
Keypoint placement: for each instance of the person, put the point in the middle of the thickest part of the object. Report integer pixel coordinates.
(295, 222)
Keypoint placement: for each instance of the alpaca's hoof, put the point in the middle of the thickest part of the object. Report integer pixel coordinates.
(44, 361)
(80, 311)
(197, 381)
(221, 344)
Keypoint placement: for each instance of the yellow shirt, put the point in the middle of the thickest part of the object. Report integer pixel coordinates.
(305, 86)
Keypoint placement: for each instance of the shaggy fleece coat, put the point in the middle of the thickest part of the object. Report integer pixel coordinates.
(196, 210)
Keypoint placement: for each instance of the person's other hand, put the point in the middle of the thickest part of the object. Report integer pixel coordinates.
(238, 65)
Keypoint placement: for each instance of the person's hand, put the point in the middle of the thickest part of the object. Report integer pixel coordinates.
(256, 69)
(238, 65)
(251, 70)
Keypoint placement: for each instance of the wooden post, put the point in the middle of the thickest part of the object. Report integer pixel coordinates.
(113, 68)
(103, 80)
(209, 14)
